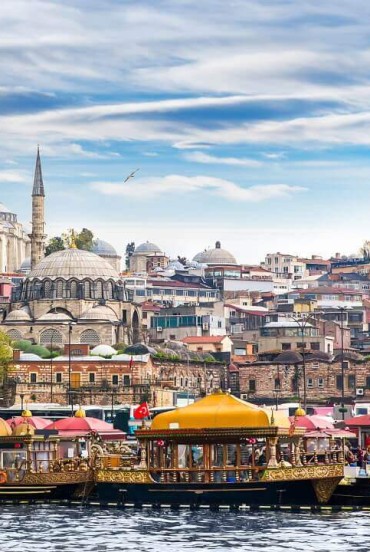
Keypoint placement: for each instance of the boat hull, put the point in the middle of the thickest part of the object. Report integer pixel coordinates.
(256, 493)
(356, 493)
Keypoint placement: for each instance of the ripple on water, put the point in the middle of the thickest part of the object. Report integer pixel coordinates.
(58, 528)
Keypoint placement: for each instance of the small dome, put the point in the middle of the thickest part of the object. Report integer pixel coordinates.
(5, 430)
(289, 357)
(26, 413)
(216, 256)
(147, 247)
(30, 356)
(175, 265)
(24, 429)
(103, 350)
(99, 312)
(104, 249)
(80, 413)
(55, 316)
(25, 266)
(138, 349)
(300, 412)
(4, 209)
(73, 263)
(19, 315)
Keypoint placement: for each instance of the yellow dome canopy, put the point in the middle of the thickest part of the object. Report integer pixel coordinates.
(5, 430)
(300, 412)
(219, 410)
(23, 429)
(80, 413)
(27, 413)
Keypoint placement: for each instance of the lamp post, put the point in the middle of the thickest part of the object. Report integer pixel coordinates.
(51, 366)
(276, 393)
(343, 410)
(70, 325)
(302, 323)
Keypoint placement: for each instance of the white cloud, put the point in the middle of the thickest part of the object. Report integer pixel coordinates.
(16, 177)
(200, 157)
(178, 184)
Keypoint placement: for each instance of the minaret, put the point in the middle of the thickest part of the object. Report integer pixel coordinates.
(38, 218)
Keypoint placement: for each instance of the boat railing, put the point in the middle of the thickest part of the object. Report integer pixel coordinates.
(201, 475)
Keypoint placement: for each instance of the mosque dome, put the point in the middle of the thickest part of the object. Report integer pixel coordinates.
(103, 350)
(3, 209)
(216, 256)
(147, 248)
(73, 263)
(103, 249)
(55, 316)
(25, 266)
(19, 315)
(99, 312)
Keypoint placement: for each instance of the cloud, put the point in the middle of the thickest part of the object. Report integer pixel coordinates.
(200, 157)
(178, 184)
(16, 177)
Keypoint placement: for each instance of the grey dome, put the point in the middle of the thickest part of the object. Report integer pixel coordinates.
(99, 312)
(4, 209)
(147, 247)
(73, 263)
(216, 256)
(26, 265)
(19, 315)
(101, 247)
(175, 265)
(55, 316)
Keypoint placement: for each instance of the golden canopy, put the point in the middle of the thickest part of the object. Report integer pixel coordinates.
(219, 410)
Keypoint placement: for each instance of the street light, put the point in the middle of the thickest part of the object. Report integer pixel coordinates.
(342, 409)
(302, 322)
(70, 324)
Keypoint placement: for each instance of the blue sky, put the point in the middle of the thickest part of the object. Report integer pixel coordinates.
(249, 121)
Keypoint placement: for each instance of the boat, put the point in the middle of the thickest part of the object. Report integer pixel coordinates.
(40, 464)
(218, 451)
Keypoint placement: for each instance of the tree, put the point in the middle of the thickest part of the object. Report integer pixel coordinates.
(54, 244)
(130, 248)
(6, 356)
(85, 239)
(365, 249)
(182, 260)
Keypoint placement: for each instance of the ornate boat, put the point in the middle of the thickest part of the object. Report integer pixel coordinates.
(40, 464)
(220, 451)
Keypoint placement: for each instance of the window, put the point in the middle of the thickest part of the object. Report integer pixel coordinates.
(115, 379)
(33, 377)
(126, 380)
(51, 338)
(200, 349)
(14, 334)
(58, 377)
(351, 381)
(90, 337)
(315, 365)
(345, 364)
(315, 346)
(277, 384)
(368, 381)
(309, 383)
(339, 382)
(286, 346)
(252, 386)
(320, 383)
(91, 377)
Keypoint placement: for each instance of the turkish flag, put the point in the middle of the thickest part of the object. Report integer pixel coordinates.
(142, 411)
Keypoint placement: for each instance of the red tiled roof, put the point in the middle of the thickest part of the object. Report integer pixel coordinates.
(204, 339)
(327, 290)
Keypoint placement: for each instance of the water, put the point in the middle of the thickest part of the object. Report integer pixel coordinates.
(58, 528)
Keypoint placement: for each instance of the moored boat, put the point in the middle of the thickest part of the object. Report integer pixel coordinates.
(40, 464)
(220, 451)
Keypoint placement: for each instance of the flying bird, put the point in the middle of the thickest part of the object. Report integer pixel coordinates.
(131, 175)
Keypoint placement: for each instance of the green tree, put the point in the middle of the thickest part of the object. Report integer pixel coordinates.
(6, 356)
(54, 244)
(365, 250)
(130, 248)
(85, 239)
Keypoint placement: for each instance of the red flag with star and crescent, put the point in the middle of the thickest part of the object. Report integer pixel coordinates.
(142, 411)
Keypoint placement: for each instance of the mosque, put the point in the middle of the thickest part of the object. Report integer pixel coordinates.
(70, 296)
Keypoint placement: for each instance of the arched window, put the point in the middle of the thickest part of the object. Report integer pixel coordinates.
(87, 289)
(14, 334)
(47, 288)
(73, 289)
(99, 289)
(90, 337)
(51, 338)
(59, 288)
(109, 288)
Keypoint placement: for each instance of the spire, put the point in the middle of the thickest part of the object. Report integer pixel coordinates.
(38, 185)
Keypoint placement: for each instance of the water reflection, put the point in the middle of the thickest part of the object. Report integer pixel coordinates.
(57, 528)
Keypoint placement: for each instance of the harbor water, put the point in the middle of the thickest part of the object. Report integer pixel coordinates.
(49, 528)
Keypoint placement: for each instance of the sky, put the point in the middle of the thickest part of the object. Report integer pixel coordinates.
(248, 121)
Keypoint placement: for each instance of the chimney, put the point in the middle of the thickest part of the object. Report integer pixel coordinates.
(16, 354)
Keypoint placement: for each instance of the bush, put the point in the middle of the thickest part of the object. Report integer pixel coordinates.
(42, 352)
(22, 344)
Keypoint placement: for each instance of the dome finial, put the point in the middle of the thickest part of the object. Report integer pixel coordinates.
(72, 242)
(218, 245)
(80, 413)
